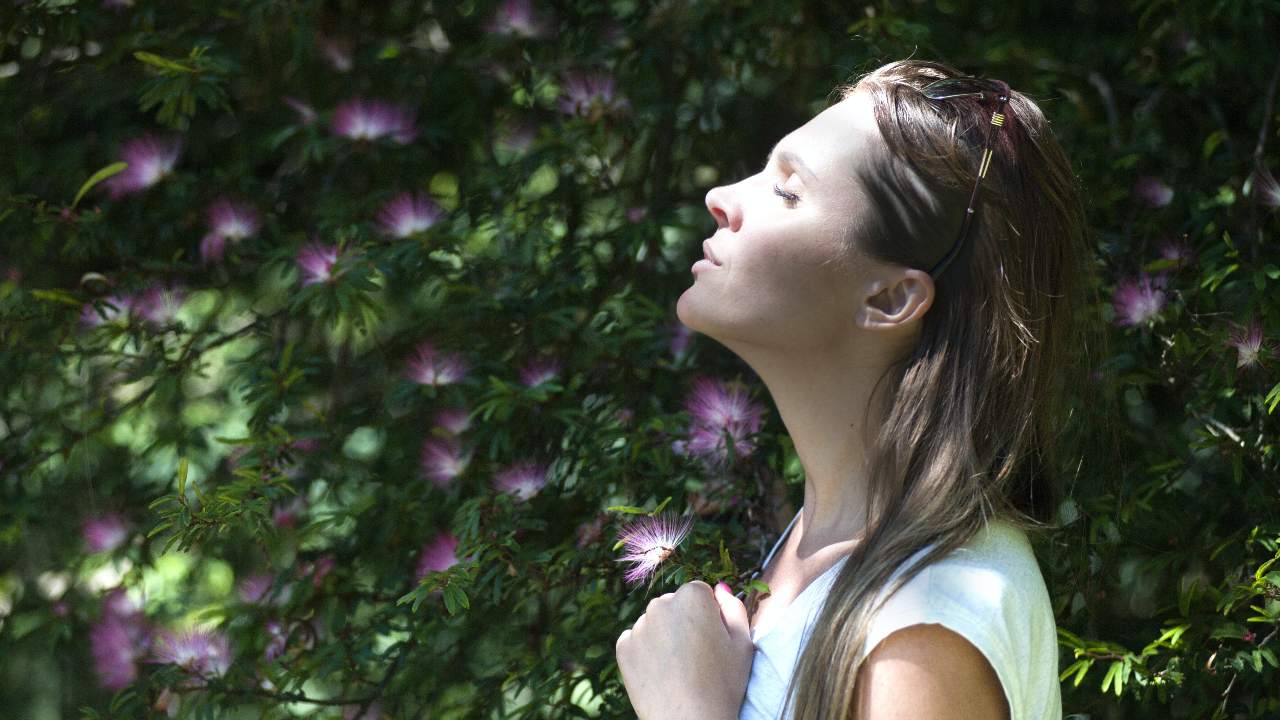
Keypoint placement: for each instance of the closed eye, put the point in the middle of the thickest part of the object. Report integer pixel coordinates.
(790, 197)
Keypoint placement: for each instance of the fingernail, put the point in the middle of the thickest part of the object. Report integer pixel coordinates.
(724, 586)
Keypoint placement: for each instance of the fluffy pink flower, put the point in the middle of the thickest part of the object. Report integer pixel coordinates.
(204, 653)
(338, 52)
(438, 555)
(118, 640)
(287, 514)
(160, 302)
(306, 113)
(1177, 250)
(590, 531)
(718, 409)
(1262, 187)
(260, 588)
(427, 366)
(681, 336)
(442, 460)
(649, 541)
(360, 119)
(408, 214)
(516, 136)
(523, 479)
(1152, 192)
(517, 17)
(1251, 349)
(539, 370)
(317, 261)
(1139, 299)
(455, 420)
(105, 532)
(150, 159)
(229, 222)
(589, 95)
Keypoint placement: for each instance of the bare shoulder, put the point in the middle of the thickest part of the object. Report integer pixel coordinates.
(936, 671)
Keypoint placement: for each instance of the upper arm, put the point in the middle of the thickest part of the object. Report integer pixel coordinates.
(928, 672)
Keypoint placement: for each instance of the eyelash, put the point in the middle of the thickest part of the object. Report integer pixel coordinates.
(790, 197)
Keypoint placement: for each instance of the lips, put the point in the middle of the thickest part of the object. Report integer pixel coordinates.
(708, 254)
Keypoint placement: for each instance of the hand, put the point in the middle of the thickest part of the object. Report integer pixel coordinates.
(688, 656)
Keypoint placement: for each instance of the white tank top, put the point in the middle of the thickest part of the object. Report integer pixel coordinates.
(989, 590)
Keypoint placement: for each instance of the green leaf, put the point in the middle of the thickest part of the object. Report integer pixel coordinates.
(1273, 399)
(160, 62)
(1113, 673)
(628, 509)
(96, 178)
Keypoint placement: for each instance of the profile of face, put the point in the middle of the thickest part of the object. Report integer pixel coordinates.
(790, 274)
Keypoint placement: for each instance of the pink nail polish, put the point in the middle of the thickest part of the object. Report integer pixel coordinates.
(724, 586)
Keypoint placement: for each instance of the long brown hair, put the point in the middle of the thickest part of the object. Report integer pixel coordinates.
(969, 420)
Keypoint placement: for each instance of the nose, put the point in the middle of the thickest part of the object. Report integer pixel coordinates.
(724, 208)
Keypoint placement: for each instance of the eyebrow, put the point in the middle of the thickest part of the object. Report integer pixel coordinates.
(794, 161)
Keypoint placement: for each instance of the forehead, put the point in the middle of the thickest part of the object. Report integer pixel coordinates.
(835, 140)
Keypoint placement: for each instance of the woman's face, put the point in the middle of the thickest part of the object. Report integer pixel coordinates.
(786, 275)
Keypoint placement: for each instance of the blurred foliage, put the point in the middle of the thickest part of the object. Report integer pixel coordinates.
(251, 422)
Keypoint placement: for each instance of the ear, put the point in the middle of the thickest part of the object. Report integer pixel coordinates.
(897, 300)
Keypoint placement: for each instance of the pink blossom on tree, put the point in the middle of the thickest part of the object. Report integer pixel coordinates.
(523, 479)
(649, 541)
(151, 158)
(427, 366)
(360, 119)
(105, 532)
(442, 460)
(407, 214)
(317, 260)
(1152, 192)
(229, 222)
(1139, 299)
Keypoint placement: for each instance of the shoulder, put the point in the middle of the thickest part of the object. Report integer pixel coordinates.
(944, 674)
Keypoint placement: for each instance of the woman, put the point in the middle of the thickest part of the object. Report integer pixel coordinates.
(921, 374)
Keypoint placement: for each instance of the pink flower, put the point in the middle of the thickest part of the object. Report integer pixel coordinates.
(589, 532)
(1152, 192)
(372, 712)
(438, 555)
(229, 221)
(442, 460)
(118, 640)
(637, 213)
(517, 17)
(160, 302)
(316, 261)
(306, 113)
(338, 52)
(718, 409)
(515, 136)
(407, 214)
(455, 420)
(203, 653)
(150, 159)
(114, 307)
(589, 95)
(523, 480)
(681, 336)
(259, 588)
(1251, 349)
(1262, 187)
(428, 367)
(105, 532)
(359, 119)
(649, 541)
(316, 569)
(286, 514)
(539, 371)
(1177, 250)
(1138, 300)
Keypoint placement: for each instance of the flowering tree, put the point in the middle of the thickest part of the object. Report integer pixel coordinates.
(341, 376)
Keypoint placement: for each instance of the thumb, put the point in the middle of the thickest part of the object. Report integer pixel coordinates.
(733, 612)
